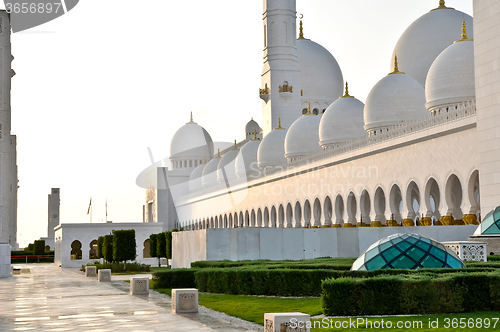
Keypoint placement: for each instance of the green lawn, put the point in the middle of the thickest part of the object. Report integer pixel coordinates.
(253, 308)
(424, 323)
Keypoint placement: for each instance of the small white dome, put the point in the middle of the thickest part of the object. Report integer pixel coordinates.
(191, 141)
(246, 161)
(426, 38)
(209, 175)
(342, 121)
(251, 127)
(394, 99)
(271, 151)
(227, 163)
(195, 178)
(320, 74)
(451, 77)
(302, 139)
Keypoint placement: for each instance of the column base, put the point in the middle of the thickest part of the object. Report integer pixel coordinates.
(392, 223)
(375, 224)
(408, 222)
(470, 219)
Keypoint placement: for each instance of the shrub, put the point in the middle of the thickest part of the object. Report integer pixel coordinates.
(124, 247)
(39, 247)
(152, 245)
(177, 278)
(161, 248)
(107, 248)
(100, 242)
(29, 248)
(168, 244)
(117, 267)
(417, 293)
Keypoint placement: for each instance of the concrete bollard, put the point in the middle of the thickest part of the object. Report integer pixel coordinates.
(90, 271)
(289, 321)
(184, 300)
(5, 260)
(139, 286)
(104, 275)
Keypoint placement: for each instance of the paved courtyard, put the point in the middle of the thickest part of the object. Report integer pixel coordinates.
(54, 299)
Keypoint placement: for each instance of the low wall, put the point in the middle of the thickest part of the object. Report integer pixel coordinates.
(293, 243)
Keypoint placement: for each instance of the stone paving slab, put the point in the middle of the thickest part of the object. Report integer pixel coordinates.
(54, 299)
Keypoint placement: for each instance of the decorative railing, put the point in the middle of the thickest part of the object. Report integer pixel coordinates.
(440, 117)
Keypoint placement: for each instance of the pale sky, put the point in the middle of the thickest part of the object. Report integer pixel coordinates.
(98, 86)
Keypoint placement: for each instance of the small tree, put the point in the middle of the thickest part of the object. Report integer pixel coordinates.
(124, 247)
(152, 247)
(100, 242)
(161, 247)
(107, 248)
(39, 247)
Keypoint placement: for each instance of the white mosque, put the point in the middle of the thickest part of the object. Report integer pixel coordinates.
(327, 175)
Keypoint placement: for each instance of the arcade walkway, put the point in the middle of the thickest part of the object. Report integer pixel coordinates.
(55, 299)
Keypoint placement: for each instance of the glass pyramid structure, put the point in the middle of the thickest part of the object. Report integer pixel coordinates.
(490, 224)
(407, 251)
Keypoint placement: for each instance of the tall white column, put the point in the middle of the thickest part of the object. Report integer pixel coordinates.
(487, 71)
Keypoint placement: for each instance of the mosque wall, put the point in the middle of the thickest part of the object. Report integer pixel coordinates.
(487, 71)
(76, 240)
(293, 244)
(403, 178)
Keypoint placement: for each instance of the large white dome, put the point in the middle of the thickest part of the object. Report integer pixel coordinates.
(394, 99)
(195, 178)
(302, 139)
(246, 161)
(320, 74)
(227, 163)
(451, 77)
(191, 141)
(342, 122)
(426, 38)
(209, 175)
(271, 151)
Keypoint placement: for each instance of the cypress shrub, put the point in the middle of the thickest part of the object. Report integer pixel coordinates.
(100, 241)
(152, 245)
(161, 247)
(39, 247)
(107, 248)
(124, 245)
(177, 278)
(168, 245)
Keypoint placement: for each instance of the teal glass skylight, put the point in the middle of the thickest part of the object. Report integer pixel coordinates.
(490, 224)
(407, 251)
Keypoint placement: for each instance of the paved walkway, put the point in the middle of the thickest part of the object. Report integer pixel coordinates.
(55, 299)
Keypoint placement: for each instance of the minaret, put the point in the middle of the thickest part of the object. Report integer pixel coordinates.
(280, 90)
(8, 164)
(53, 211)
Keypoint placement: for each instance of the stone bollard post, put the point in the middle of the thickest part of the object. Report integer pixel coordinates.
(289, 321)
(104, 275)
(139, 286)
(90, 271)
(184, 300)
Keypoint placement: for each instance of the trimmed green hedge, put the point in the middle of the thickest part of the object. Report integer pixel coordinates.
(178, 278)
(318, 263)
(420, 293)
(117, 267)
(282, 282)
(39, 247)
(124, 247)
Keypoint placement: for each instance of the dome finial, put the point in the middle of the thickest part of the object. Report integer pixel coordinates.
(191, 120)
(308, 109)
(218, 153)
(279, 124)
(301, 30)
(255, 136)
(464, 34)
(235, 146)
(441, 6)
(396, 69)
(204, 160)
(346, 92)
